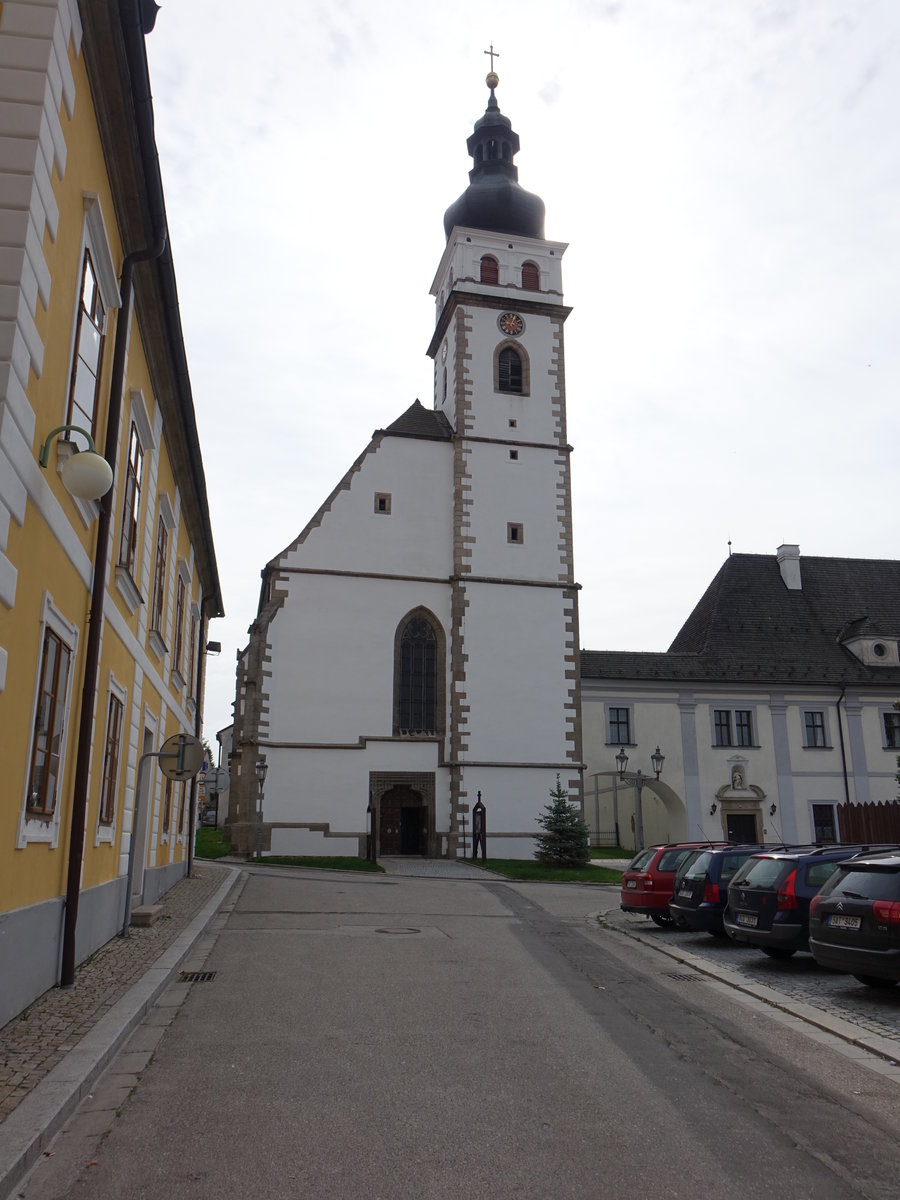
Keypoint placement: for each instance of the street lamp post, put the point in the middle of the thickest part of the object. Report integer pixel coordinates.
(638, 780)
(261, 768)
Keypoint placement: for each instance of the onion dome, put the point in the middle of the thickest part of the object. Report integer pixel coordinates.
(493, 200)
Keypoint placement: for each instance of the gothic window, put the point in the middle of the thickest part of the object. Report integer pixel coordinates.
(531, 277)
(490, 269)
(418, 676)
(510, 371)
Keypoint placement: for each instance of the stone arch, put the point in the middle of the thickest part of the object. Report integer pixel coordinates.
(519, 349)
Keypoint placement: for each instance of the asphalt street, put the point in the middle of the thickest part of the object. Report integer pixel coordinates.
(401, 1037)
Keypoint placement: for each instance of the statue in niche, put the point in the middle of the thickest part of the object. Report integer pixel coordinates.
(737, 779)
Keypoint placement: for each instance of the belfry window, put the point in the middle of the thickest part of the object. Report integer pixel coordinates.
(490, 269)
(418, 676)
(531, 277)
(509, 365)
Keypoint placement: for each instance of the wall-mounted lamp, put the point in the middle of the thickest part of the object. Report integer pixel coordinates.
(713, 809)
(773, 810)
(86, 474)
(213, 647)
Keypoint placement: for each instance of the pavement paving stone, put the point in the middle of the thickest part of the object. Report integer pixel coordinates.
(818, 994)
(36, 1041)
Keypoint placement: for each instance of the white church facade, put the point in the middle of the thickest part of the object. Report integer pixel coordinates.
(416, 646)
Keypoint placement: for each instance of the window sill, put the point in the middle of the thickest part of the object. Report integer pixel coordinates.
(818, 747)
(127, 589)
(755, 746)
(178, 679)
(157, 645)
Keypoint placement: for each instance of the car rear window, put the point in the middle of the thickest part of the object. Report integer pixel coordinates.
(870, 883)
(764, 872)
(819, 873)
(640, 860)
(730, 864)
(671, 859)
(698, 868)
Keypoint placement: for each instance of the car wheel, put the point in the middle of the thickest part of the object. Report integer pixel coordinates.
(717, 933)
(663, 920)
(778, 952)
(875, 981)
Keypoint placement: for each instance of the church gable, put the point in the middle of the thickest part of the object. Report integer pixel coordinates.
(389, 515)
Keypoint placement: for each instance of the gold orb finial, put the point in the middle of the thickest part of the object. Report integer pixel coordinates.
(492, 79)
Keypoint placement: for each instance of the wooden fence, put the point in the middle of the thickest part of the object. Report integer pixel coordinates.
(870, 823)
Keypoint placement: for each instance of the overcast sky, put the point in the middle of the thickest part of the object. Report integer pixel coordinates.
(727, 176)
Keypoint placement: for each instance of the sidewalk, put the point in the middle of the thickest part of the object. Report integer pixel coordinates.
(52, 1051)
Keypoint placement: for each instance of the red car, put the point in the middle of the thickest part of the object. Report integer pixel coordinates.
(649, 880)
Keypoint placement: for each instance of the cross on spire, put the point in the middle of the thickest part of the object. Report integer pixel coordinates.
(493, 53)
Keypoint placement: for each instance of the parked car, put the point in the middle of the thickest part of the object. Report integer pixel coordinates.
(769, 897)
(701, 886)
(649, 878)
(854, 921)
(210, 815)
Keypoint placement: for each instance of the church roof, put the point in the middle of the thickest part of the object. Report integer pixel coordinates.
(494, 200)
(420, 422)
(750, 627)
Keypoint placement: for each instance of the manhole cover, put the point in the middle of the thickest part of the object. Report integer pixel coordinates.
(197, 976)
(398, 930)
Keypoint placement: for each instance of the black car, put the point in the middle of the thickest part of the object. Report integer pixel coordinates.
(768, 898)
(854, 922)
(701, 887)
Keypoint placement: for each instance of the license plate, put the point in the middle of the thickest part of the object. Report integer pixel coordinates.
(686, 891)
(836, 921)
(631, 883)
(747, 919)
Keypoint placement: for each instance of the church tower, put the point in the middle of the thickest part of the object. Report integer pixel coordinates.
(416, 644)
(499, 379)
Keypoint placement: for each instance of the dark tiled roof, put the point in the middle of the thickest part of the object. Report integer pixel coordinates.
(749, 627)
(419, 422)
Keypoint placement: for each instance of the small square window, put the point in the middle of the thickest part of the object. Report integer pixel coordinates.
(513, 456)
(513, 423)
(515, 533)
(383, 503)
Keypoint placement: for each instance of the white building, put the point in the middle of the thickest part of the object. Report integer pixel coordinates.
(417, 644)
(774, 708)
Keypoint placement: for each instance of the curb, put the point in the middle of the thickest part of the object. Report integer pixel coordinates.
(846, 1031)
(31, 1126)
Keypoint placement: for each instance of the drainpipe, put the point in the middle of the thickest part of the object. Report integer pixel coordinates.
(140, 84)
(198, 727)
(843, 751)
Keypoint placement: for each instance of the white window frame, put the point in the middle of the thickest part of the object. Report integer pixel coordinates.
(107, 833)
(826, 733)
(610, 704)
(179, 675)
(34, 829)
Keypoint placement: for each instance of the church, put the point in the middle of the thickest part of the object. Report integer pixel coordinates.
(416, 646)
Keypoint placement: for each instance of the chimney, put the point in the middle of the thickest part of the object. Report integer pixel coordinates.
(788, 558)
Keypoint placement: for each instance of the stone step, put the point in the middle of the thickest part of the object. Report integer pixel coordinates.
(145, 914)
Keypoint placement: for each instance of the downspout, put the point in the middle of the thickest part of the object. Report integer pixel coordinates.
(140, 84)
(198, 727)
(843, 751)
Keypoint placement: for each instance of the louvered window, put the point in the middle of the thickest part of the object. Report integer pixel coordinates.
(509, 371)
(531, 277)
(490, 270)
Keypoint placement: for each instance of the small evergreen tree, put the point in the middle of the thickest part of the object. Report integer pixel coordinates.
(566, 839)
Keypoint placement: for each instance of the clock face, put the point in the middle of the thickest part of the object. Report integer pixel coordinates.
(511, 324)
(444, 353)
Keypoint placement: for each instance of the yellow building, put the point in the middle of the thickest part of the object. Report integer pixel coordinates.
(103, 603)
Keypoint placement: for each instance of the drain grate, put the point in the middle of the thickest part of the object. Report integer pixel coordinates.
(197, 976)
(683, 977)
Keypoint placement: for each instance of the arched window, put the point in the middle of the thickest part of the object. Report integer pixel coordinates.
(490, 269)
(531, 277)
(418, 676)
(509, 373)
